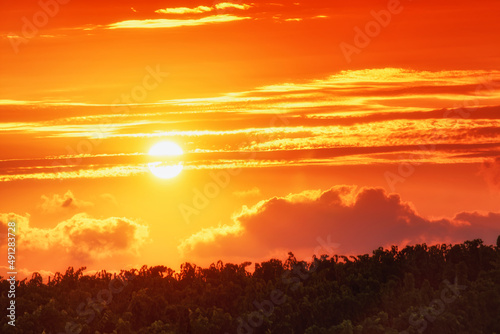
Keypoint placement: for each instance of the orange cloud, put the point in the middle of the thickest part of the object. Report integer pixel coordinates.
(367, 115)
(226, 5)
(355, 221)
(203, 9)
(171, 23)
(81, 237)
(184, 10)
(57, 203)
(208, 235)
(70, 173)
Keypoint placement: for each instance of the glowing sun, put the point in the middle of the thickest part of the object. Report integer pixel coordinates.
(170, 153)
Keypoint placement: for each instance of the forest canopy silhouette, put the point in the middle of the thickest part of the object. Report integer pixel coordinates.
(437, 289)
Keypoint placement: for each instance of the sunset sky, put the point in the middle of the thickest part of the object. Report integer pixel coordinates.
(307, 126)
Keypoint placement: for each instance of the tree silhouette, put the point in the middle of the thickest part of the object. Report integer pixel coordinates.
(436, 289)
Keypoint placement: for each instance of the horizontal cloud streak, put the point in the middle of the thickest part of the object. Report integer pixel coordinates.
(172, 23)
(351, 117)
(203, 9)
(184, 10)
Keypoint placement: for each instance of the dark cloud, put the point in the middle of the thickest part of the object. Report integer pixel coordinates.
(355, 221)
(67, 202)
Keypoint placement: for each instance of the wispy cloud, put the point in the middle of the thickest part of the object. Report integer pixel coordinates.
(76, 172)
(226, 5)
(247, 193)
(203, 9)
(353, 117)
(184, 10)
(57, 203)
(173, 23)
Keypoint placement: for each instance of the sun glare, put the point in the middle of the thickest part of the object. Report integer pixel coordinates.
(165, 169)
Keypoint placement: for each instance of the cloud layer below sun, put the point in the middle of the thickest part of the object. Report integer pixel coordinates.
(345, 220)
